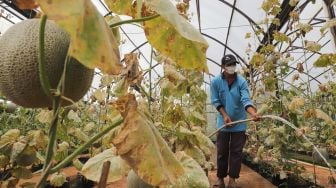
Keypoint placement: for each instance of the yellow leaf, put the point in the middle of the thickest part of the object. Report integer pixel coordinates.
(120, 6)
(143, 148)
(92, 41)
(322, 115)
(72, 115)
(45, 116)
(196, 154)
(174, 37)
(100, 95)
(194, 175)
(93, 167)
(9, 137)
(296, 103)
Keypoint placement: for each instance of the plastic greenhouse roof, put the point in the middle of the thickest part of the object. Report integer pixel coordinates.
(224, 24)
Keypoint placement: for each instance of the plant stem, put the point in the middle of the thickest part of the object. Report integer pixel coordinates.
(134, 20)
(79, 150)
(56, 103)
(52, 133)
(41, 58)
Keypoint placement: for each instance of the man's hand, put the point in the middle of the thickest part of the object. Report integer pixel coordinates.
(227, 120)
(253, 112)
(256, 117)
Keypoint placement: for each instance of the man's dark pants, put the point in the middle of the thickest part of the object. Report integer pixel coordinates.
(229, 153)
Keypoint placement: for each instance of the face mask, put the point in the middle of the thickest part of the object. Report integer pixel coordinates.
(230, 69)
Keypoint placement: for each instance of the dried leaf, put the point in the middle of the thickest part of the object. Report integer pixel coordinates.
(22, 173)
(312, 46)
(305, 27)
(330, 23)
(89, 127)
(45, 116)
(18, 148)
(299, 67)
(198, 139)
(283, 175)
(26, 4)
(92, 41)
(57, 179)
(123, 7)
(296, 103)
(72, 115)
(195, 153)
(172, 73)
(322, 115)
(26, 157)
(79, 134)
(174, 37)
(132, 71)
(100, 95)
(38, 139)
(143, 148)
(194, 175)
(9, 137)
(93, 167)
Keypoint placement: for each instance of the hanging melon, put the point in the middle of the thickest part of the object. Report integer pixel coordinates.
(19, 74)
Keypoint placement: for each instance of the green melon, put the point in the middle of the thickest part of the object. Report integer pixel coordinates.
(19, 78)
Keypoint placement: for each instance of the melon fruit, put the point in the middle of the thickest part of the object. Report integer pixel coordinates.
(19, 74)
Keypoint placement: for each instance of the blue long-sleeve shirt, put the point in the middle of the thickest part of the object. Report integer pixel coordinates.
(234, 99)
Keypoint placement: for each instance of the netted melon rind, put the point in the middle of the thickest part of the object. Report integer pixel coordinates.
(19, 78)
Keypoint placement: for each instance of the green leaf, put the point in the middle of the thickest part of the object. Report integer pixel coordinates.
(92, 41)
(120, 6)
(93, 167)
(174, 37)
(115, 30)
(144, 149)
(325, 60)
(194, 175)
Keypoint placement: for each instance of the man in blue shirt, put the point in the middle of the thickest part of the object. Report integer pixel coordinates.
(230, 95)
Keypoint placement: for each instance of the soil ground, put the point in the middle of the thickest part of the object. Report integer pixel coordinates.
(248, 177)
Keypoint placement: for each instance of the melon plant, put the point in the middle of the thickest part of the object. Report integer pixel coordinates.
(133, 181)
(19, 74)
